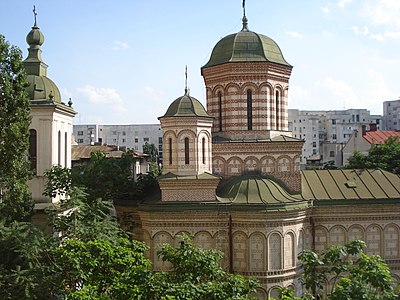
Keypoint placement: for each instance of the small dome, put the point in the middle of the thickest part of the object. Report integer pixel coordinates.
(35, 37)
(246, 46)
(186, 106)
(42, 88)
(254, 189)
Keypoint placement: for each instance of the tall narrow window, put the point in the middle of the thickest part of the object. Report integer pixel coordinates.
(33, 149)
(186, 151)
(203, 150)
(220, 111)
(277, 114)
(249, 110)
(170, 150)
(59, 147)
(65, 150)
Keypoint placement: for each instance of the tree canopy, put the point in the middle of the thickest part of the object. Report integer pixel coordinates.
(385, 156)
(15, 200)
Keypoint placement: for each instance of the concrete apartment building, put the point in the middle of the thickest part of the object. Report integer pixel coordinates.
(326, 132)
(391, 115)
(128, 136)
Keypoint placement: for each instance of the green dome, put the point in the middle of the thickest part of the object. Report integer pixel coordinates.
(254, 189)
(186, 106)
(42, 88)
(246, 46)
(35, 37)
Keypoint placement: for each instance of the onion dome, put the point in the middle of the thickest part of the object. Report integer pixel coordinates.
(246, 46)
(40, 86)
(186, 106)
(254, 189)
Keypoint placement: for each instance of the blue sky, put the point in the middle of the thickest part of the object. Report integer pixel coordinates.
(123, 62)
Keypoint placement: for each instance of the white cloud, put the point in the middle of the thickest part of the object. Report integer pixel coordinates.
(386, 35)
(326, 9)
(294, 34)
(343, 3)
(107, 97)
(383, 12)
(118, 45)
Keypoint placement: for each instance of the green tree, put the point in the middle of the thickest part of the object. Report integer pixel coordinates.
(15, 200)
(151, 150)
(352, 273)
(197, 274)
(385, 156)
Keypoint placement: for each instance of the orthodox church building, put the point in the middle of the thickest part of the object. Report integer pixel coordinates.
(231, 177)
(231, 174)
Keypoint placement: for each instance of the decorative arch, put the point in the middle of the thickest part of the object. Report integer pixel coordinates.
(218, 89)
(234, 166)
(274, 251)
(159, 239)
(373, 239)
(289, 250)
(221, 239)
(274, 292)
(260, 293)
(355, 232)
(232, 88)
(240, 252)
(251, 165)
(321, 238)
(268, 165)
(284, 164)
(337, 235)
(257, 252)
(296, 162)
(177, 238)
(219, 165)
(391, 241)
(204, 240)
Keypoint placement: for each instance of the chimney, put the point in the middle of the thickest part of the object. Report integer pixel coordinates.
(363, 129)
(372, 127)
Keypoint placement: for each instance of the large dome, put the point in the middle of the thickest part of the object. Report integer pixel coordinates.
(42, 88)
(186, 106)
(246, 46)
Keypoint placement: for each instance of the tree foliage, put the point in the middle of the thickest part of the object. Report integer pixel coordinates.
(197, 274)
(385, 156)
(352, 273)
(15, 199)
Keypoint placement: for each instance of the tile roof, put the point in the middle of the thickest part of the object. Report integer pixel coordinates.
(380, 136)
(85, 151)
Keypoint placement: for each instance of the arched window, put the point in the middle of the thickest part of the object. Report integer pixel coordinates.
(186, 151)
(33, 149)
(277, 114)
(59, 147)
(170, 150)
(220, 111)
(65, 150)
(203, 150)
(249, 110)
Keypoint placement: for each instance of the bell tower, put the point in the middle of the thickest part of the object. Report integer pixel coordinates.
(51, 125)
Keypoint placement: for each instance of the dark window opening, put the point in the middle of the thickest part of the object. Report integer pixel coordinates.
(203, 150)
(170, 150)
(33, 149)
(249, 110)
(186, 151)
(277, 114)
(220, 111)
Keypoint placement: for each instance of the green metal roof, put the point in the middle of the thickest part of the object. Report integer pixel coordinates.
(254, 189)
(41, 88)
(186, 106)
(374, 184)
(246, 46)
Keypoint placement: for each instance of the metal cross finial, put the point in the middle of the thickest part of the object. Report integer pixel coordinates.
(34, 14)
(186, 87)
(244, 7)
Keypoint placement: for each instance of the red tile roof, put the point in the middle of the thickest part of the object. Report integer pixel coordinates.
(380, 136)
